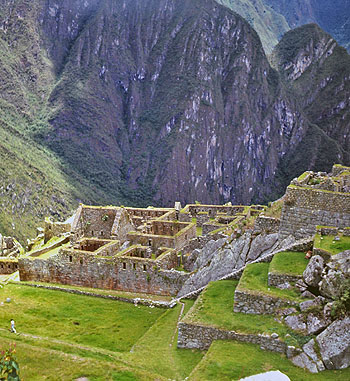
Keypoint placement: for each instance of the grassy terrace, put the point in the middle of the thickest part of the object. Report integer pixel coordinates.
(327, 243)
(214, 307)
(254, 280)
(289, 263)
(64, 336)
(228, 360)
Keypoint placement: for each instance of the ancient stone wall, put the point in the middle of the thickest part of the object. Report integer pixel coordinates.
(264, 224)
(305, 208)
(200, 337)
(8, 266)
(251, 303)
(55, 229)
(230, 210)
(278, 280)
(116, 273)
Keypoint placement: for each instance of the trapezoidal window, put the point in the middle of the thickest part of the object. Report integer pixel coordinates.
(70, 258)
(134, 266)
(144, 268)
(124, 266)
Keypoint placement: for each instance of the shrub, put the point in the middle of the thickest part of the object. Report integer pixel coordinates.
(9, 369)
(341, 305)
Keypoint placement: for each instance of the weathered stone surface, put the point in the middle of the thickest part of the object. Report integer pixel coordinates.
(341, 261)
(313, 271)
(261, 244)
(311, 303)
(200, 337)
(252, 303)
(330, 286)
(309, 349)
(334, 344)
(303, 361)
(295, 322)
(315, 324)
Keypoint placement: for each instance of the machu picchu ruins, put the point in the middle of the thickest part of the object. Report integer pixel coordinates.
(290, 260)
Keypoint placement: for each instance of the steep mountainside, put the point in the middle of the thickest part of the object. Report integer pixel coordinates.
(152, 101)
(317, 70)
(272, 18)
(32, 183)
(164, 100)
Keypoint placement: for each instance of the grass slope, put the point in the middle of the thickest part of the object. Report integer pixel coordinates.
(254, 279)
(113, 341)
(77, 319)
(232, 361)
(214, 307)
(329, 244)
(289, 263)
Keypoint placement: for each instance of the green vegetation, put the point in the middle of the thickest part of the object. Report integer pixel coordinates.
(214, 307)
(228, 360)
(9, 369)
(99, 291)
(274, 210)
(327, 243)
(77, 319)
(289, 263)
(64, 336)
(254, 279)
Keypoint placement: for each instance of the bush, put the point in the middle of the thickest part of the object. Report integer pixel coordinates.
(341, 305)
(9, 368)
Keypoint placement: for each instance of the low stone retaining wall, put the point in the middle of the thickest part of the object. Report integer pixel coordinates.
(200, 337)
(256, 304)
(266, 224)
(277, 280)
(144, 302)
(60, 242)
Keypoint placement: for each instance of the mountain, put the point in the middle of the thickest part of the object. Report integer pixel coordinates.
(148, 102)
(272, 18)
(168, 100)
(317, 70)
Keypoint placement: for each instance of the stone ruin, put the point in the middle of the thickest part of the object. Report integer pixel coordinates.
(128, 249)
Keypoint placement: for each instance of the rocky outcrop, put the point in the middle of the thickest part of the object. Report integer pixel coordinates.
(334, 344)
(212, 265)
(313, 271)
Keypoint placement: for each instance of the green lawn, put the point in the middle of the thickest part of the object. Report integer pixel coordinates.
(214, 307)
(228, 360)
(254, 279)
(38, 363)
(79, 319)
(289, 263)
(64, 336)
(326, 242)
(99, 291)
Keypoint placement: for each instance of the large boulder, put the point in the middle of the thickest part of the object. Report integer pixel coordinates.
(334, 344)
(313, 271)
(331, 284)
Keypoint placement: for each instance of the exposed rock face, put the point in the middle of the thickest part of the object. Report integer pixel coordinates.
(318, 70)
(313, 271)
(334, 344)
(183, 91)
(212, 265)
(336, 272)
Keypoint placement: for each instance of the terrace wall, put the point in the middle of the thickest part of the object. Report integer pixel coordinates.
(250, 303)
(200, 337)
(305, 208)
